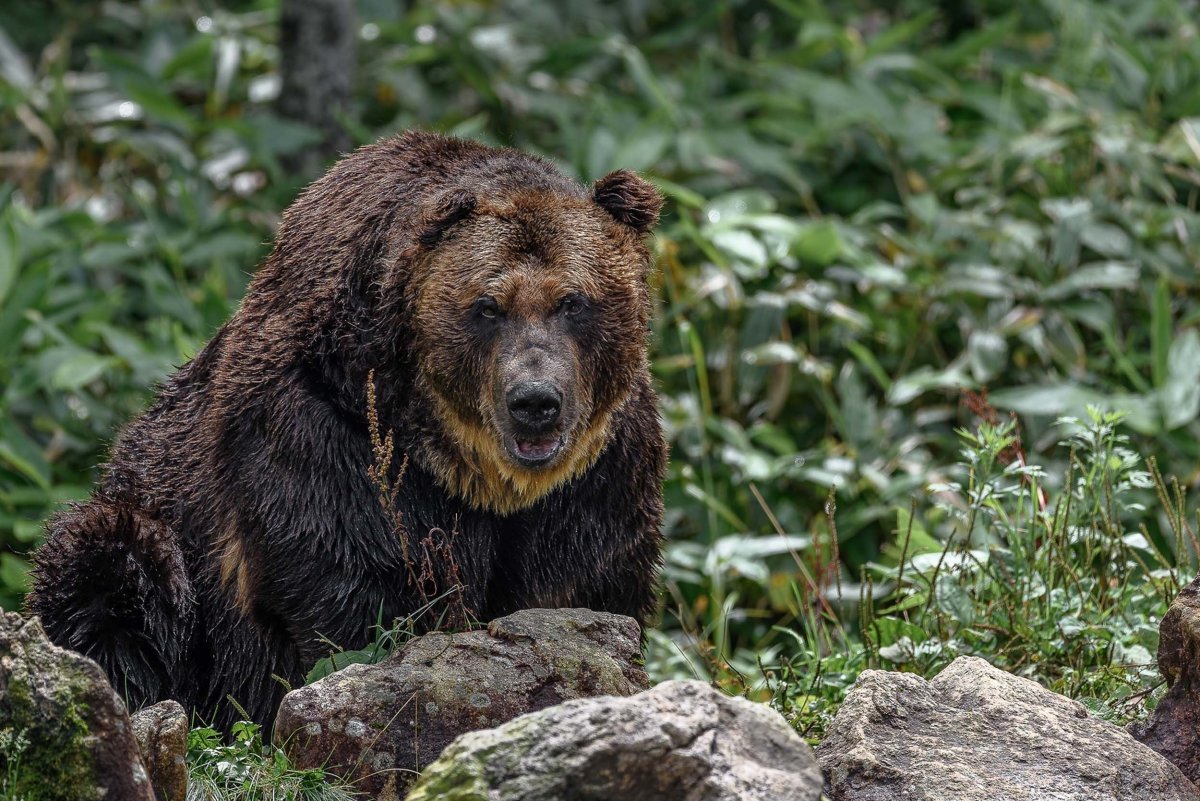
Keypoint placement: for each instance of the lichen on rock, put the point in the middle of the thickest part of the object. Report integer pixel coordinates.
(681, 741)
(380, 725)
(67, 733)
(976, 733)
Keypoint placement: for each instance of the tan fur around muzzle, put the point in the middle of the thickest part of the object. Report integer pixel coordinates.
(481, 473)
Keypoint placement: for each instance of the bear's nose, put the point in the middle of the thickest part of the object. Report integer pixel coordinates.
(534, 404)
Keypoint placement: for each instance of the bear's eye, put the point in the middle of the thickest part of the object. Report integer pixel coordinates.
(572, 305)
(487, 308)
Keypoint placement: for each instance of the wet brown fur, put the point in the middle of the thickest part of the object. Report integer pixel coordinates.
(238, 521)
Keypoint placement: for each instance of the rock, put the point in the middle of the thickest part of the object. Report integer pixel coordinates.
(162, 732)
(378, 725)
(1173, 728)
(681, 741)
(975, 732)
(64, 733)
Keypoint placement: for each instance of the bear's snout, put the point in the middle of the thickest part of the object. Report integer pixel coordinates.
(534, 406)
(535, 414)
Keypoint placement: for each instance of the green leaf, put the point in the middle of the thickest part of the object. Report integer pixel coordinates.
(642, 150)
(78, 370)
(715, 505)
(27, 531)
(1160, 331)
(8, 257)
(1181, 392)
(1182, 142)
(1056, 399)
(679, 193)
(952, 598)
(1107, 240)
(901, 33)
(14, 572)
(274, 136)
(987, 353)
(924, 379)
(236, 246)
(869, 361)
(1102, 275)
(342, 659)
(734, 206)
(770, 353)
(741, 246)
(919, 539)
(22, 454)
(1051, 400)
(1070, 215)
(819, 244)
(160, 106)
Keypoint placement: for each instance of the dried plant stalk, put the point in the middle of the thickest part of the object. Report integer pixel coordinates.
(436, 575)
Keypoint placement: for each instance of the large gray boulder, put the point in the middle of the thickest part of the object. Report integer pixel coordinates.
(976, 733)
(379, 725)
(1173, 728)
(681, 741)
(65, 734)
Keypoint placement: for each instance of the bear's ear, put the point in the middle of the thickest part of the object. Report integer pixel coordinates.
(449, 210)
(629, 198)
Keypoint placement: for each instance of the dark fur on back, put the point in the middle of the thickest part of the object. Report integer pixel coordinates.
(237, 522)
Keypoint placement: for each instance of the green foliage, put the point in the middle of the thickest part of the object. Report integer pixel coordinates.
(1056, 581)
(872, 207)
(1004, 209)
(246, 769)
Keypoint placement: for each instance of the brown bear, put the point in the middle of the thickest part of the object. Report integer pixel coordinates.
(437, 378)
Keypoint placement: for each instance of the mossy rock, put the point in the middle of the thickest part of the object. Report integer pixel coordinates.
(65, 735)
(380, 724)
(681, 741)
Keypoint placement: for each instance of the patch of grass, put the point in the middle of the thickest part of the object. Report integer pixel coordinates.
(247, 769)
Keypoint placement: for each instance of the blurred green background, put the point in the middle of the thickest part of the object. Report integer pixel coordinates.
(872, 207)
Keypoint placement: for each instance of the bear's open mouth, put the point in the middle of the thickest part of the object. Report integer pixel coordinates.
(535, 451)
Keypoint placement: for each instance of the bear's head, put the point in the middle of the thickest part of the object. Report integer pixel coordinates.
(502, 307)
(530, 320)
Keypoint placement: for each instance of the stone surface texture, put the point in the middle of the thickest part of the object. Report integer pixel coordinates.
(64, 733)
(162, 731)
(1173, 729)
(975, 732)
(379, 725)
(681, 741)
